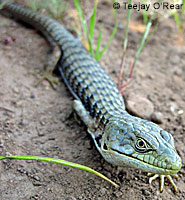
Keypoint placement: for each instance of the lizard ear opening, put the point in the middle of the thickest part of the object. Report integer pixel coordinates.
(98, 140)
(105, 147)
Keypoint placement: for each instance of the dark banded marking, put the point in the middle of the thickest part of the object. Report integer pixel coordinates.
(82, 91)
(75, 78)
(73, 59)
(78, 54)
(69, 72)
(92, 82)
(51, 27)
(79, 85)
(68, 42)
(46, 22)
(93, 108)
(74, 45)
(71, 76)
(83, 71)
(60, 30)
(57, 35)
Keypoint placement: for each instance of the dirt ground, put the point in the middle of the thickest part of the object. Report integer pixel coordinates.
(33, 119)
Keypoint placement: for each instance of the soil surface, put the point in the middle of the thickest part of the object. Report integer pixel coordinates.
(33, 119)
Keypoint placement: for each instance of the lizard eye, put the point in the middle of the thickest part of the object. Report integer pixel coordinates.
(141, 145)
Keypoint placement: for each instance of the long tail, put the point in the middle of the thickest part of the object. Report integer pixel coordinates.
(53, 31)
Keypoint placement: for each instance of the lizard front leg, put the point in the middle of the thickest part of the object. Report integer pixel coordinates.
(84, 115)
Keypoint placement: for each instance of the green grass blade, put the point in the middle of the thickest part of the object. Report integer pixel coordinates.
(183, 7)
(82, 18)
(91, 28)
(114, 10)
(99, 41)
(34, 5)
(62, 162)
(93, 21)
(145, 13)
(143, 40)
(108, 42)
(126, 28)
(125, 42)
(178, 21)
(150, 35)
(145, 16)
(56, 8)
(84, 25)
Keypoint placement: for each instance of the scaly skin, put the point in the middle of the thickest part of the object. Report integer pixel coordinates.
(122, 139)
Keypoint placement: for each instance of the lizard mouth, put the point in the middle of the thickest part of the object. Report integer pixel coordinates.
(160, 167)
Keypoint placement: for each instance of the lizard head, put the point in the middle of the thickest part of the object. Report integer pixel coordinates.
(140, 144)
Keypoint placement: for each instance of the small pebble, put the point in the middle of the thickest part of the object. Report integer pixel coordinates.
(8, 154)
(139, 106)
(157, 117)
(108, 168)
(1, 144)
(32, 96)
(16, 90)
(9, 40)
(40, 133)
(49, 190)
(23, 122)
(87, 144)
(151, 76)
(69, 190)
(146, 192)
(118, 194)
(180, 112)
(19, 103)
(42, 123)
(173, 107)
(37, 178)
(103, 191)
(29, 161)
(178, 72)
(70, 198)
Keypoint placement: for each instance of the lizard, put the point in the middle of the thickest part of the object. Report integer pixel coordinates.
(122, 139)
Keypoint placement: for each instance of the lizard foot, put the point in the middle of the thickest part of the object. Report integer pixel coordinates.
(48, 72)
(47, 75)
(169, 177)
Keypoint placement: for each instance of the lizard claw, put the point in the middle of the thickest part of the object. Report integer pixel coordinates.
(169, 177)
